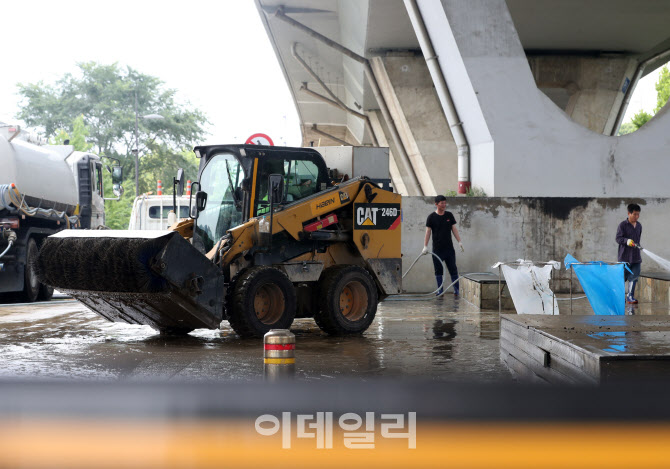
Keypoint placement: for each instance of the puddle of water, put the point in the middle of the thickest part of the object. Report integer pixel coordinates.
(439, 339)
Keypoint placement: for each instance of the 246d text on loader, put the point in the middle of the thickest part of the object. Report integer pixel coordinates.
(271, 237)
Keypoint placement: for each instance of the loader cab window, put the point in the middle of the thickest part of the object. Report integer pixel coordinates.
(222, 180)
(301, 179)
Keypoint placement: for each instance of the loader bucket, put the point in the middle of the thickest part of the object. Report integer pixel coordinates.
(156, 278)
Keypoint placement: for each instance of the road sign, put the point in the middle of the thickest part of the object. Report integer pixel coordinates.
(260, 139)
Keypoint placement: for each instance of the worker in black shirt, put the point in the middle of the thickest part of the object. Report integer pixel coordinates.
(440, 224)
(628, 236)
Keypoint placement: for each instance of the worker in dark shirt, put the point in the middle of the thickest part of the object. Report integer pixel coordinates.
(628, 236)
(441, 224)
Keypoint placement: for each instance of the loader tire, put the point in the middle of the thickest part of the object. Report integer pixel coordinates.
(31, 284)
(262, 298)
(347, 300)
(46, 292)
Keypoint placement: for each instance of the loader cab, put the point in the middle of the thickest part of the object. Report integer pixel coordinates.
(235, 179)
(302, 178)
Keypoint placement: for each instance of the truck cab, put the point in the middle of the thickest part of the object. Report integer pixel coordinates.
(150, 212)
(45, 188)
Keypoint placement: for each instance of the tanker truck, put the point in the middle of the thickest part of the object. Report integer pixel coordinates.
(43, 189)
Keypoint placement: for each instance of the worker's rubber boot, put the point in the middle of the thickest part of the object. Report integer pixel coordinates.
(457, 288)
(439, 284)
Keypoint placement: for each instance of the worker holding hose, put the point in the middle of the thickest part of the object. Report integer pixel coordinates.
(628, 236)
(441, 224)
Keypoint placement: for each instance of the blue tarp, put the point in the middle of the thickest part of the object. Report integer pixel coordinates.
(603, 284)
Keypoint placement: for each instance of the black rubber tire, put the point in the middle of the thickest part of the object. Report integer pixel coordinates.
(338, 284)
(46, 292)
(31, 284)
(253, 290)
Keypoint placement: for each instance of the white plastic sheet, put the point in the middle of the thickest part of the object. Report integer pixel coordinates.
(529, 286)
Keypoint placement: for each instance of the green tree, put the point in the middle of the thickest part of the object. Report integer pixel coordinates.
(641, 118)
(117, 213)
(662, 95)
(105, 95)
(627, 128)
(78, 137)
(662, 88)
(161, 164)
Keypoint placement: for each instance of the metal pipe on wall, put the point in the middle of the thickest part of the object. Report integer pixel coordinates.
(443, 94)
(414, 184)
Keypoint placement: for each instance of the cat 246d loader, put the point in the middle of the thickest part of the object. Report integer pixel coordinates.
(271, 238)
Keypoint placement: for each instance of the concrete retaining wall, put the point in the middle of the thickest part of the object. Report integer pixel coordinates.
(544, 228)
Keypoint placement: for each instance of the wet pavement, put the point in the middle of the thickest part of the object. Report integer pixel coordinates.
(440, 339)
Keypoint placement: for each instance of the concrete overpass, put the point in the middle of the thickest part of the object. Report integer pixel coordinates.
(516, 97)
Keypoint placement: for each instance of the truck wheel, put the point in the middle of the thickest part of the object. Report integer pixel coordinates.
(262, 298)
(31, 284)
(347, 300)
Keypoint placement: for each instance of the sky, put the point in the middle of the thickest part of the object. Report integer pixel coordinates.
(215, 53)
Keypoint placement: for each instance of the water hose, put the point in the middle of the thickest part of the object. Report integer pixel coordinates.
(10, 196)
(7, 249)
(427, 296)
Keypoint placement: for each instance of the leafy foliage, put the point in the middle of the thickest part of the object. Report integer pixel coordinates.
(78, 137)
(96, 110)
(640, 119)
(626, 128)
(662, 88)
(662, 95)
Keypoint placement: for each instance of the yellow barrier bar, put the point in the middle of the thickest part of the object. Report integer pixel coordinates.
(117, 442)
(279, 361)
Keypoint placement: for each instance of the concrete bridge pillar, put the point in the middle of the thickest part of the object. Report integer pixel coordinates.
(589, 89)
(415, 108)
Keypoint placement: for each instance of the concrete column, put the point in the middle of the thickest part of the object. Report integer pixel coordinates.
(311, 138)
(415, 106)
(589, 89)
(534, 147)
(381, 133)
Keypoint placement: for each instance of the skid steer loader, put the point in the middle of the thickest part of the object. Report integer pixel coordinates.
(270, 238)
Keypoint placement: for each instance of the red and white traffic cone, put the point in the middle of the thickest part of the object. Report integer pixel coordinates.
(159, 187)
(188, 187)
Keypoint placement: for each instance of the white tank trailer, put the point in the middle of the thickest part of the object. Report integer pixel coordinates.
(43, 189)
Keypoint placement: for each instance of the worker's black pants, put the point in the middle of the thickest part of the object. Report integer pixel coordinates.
(449, 258)
(631, 278)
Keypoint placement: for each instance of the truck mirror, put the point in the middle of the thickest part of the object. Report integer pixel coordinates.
(178, 183)
(117, 175)
(276, 187)
(200, 201)
(117, 189)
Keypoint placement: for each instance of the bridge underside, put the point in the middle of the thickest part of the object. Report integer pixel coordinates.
(535, 90)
